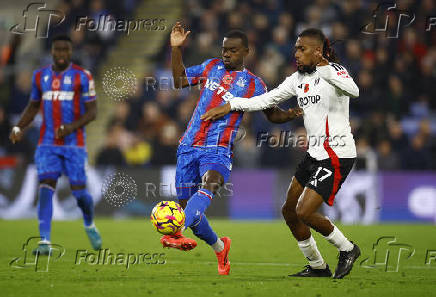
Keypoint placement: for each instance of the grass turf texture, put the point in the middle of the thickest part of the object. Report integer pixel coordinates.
(262, 255)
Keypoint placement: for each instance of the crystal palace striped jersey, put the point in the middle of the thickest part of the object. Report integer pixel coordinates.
(218, 86)
(63, 96)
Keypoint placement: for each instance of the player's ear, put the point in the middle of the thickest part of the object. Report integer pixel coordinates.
(246, 51)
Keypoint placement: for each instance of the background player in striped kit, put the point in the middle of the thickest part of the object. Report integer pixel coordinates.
(205, 151)
(323, 89)
(65, 94)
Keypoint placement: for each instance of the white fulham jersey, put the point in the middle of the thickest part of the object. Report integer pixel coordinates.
(324, 96)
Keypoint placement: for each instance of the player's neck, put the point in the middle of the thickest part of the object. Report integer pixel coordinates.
(57, 68)
(237, 68)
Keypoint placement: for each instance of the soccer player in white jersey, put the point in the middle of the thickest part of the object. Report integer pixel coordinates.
(323, 89)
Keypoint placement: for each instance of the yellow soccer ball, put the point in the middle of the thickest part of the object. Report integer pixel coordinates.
(167, 217)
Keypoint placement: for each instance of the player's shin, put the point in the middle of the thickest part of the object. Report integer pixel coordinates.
(310, 251)
(204, 231)
(45, 211)
(196, 206)
(339, 240)
(86, 204)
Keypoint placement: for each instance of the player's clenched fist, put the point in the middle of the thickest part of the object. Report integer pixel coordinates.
(178, 35)
(16, 134)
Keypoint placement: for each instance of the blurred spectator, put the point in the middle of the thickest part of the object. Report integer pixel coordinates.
(396, 78)
(165, 148)
(417, 156)
(111, 153)
(386, 158)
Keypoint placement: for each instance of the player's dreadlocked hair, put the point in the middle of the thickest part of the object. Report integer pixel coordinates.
(327, 51)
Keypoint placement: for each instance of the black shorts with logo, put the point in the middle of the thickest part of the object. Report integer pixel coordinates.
(325, 177)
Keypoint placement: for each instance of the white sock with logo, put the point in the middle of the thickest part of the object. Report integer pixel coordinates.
(310, 251)
(218, 246)
(339, 240)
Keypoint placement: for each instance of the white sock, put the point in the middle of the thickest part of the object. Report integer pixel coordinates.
(90, 226)
(310, 251)
(218, 246)
(339, 240)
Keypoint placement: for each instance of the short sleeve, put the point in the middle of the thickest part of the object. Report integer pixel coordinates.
(194, 73)
(88, 87)
(35, 92)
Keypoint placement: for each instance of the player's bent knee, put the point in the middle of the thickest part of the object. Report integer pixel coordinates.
(77, 187)
(289, 214)
(303, 214)
(50, 182)
(212, 181)
(183, 203)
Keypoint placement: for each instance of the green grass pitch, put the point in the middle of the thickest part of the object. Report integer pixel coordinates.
(262, 255)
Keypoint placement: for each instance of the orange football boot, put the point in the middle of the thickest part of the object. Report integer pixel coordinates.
(178, 241)
(223, 257)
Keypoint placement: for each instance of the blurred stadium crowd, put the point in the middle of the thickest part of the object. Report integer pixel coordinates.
(393, 120)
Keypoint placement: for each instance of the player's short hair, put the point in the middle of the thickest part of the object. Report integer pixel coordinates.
(327, 51)
(62, 37)
(238, 34)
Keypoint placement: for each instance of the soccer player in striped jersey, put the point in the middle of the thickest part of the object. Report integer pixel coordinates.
(204, 157)
(65, 94)
(323, 89)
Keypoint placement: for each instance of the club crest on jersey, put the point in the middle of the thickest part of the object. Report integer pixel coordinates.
(55, 84)
(316, 81)
(241, 82)
(228, 79)
(67, 80)
(46, 78)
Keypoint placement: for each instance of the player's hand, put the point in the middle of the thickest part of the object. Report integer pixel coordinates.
(178, 35)
(295, 112)
(63, 131)
(216, 113)
(16, 135)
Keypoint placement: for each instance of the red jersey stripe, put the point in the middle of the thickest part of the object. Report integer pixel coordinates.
(43, 127)
(336, 165)
(79, 132)
(203, 75)
(227, 133)
(56, 108)
(201, 135)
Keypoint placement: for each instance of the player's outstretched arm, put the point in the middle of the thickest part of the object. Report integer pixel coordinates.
(89, 115)
(267, 100)
(177, 39)
(27, 117)
(278, 116)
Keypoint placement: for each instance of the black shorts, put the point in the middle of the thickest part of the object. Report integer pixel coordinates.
(325, 177)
